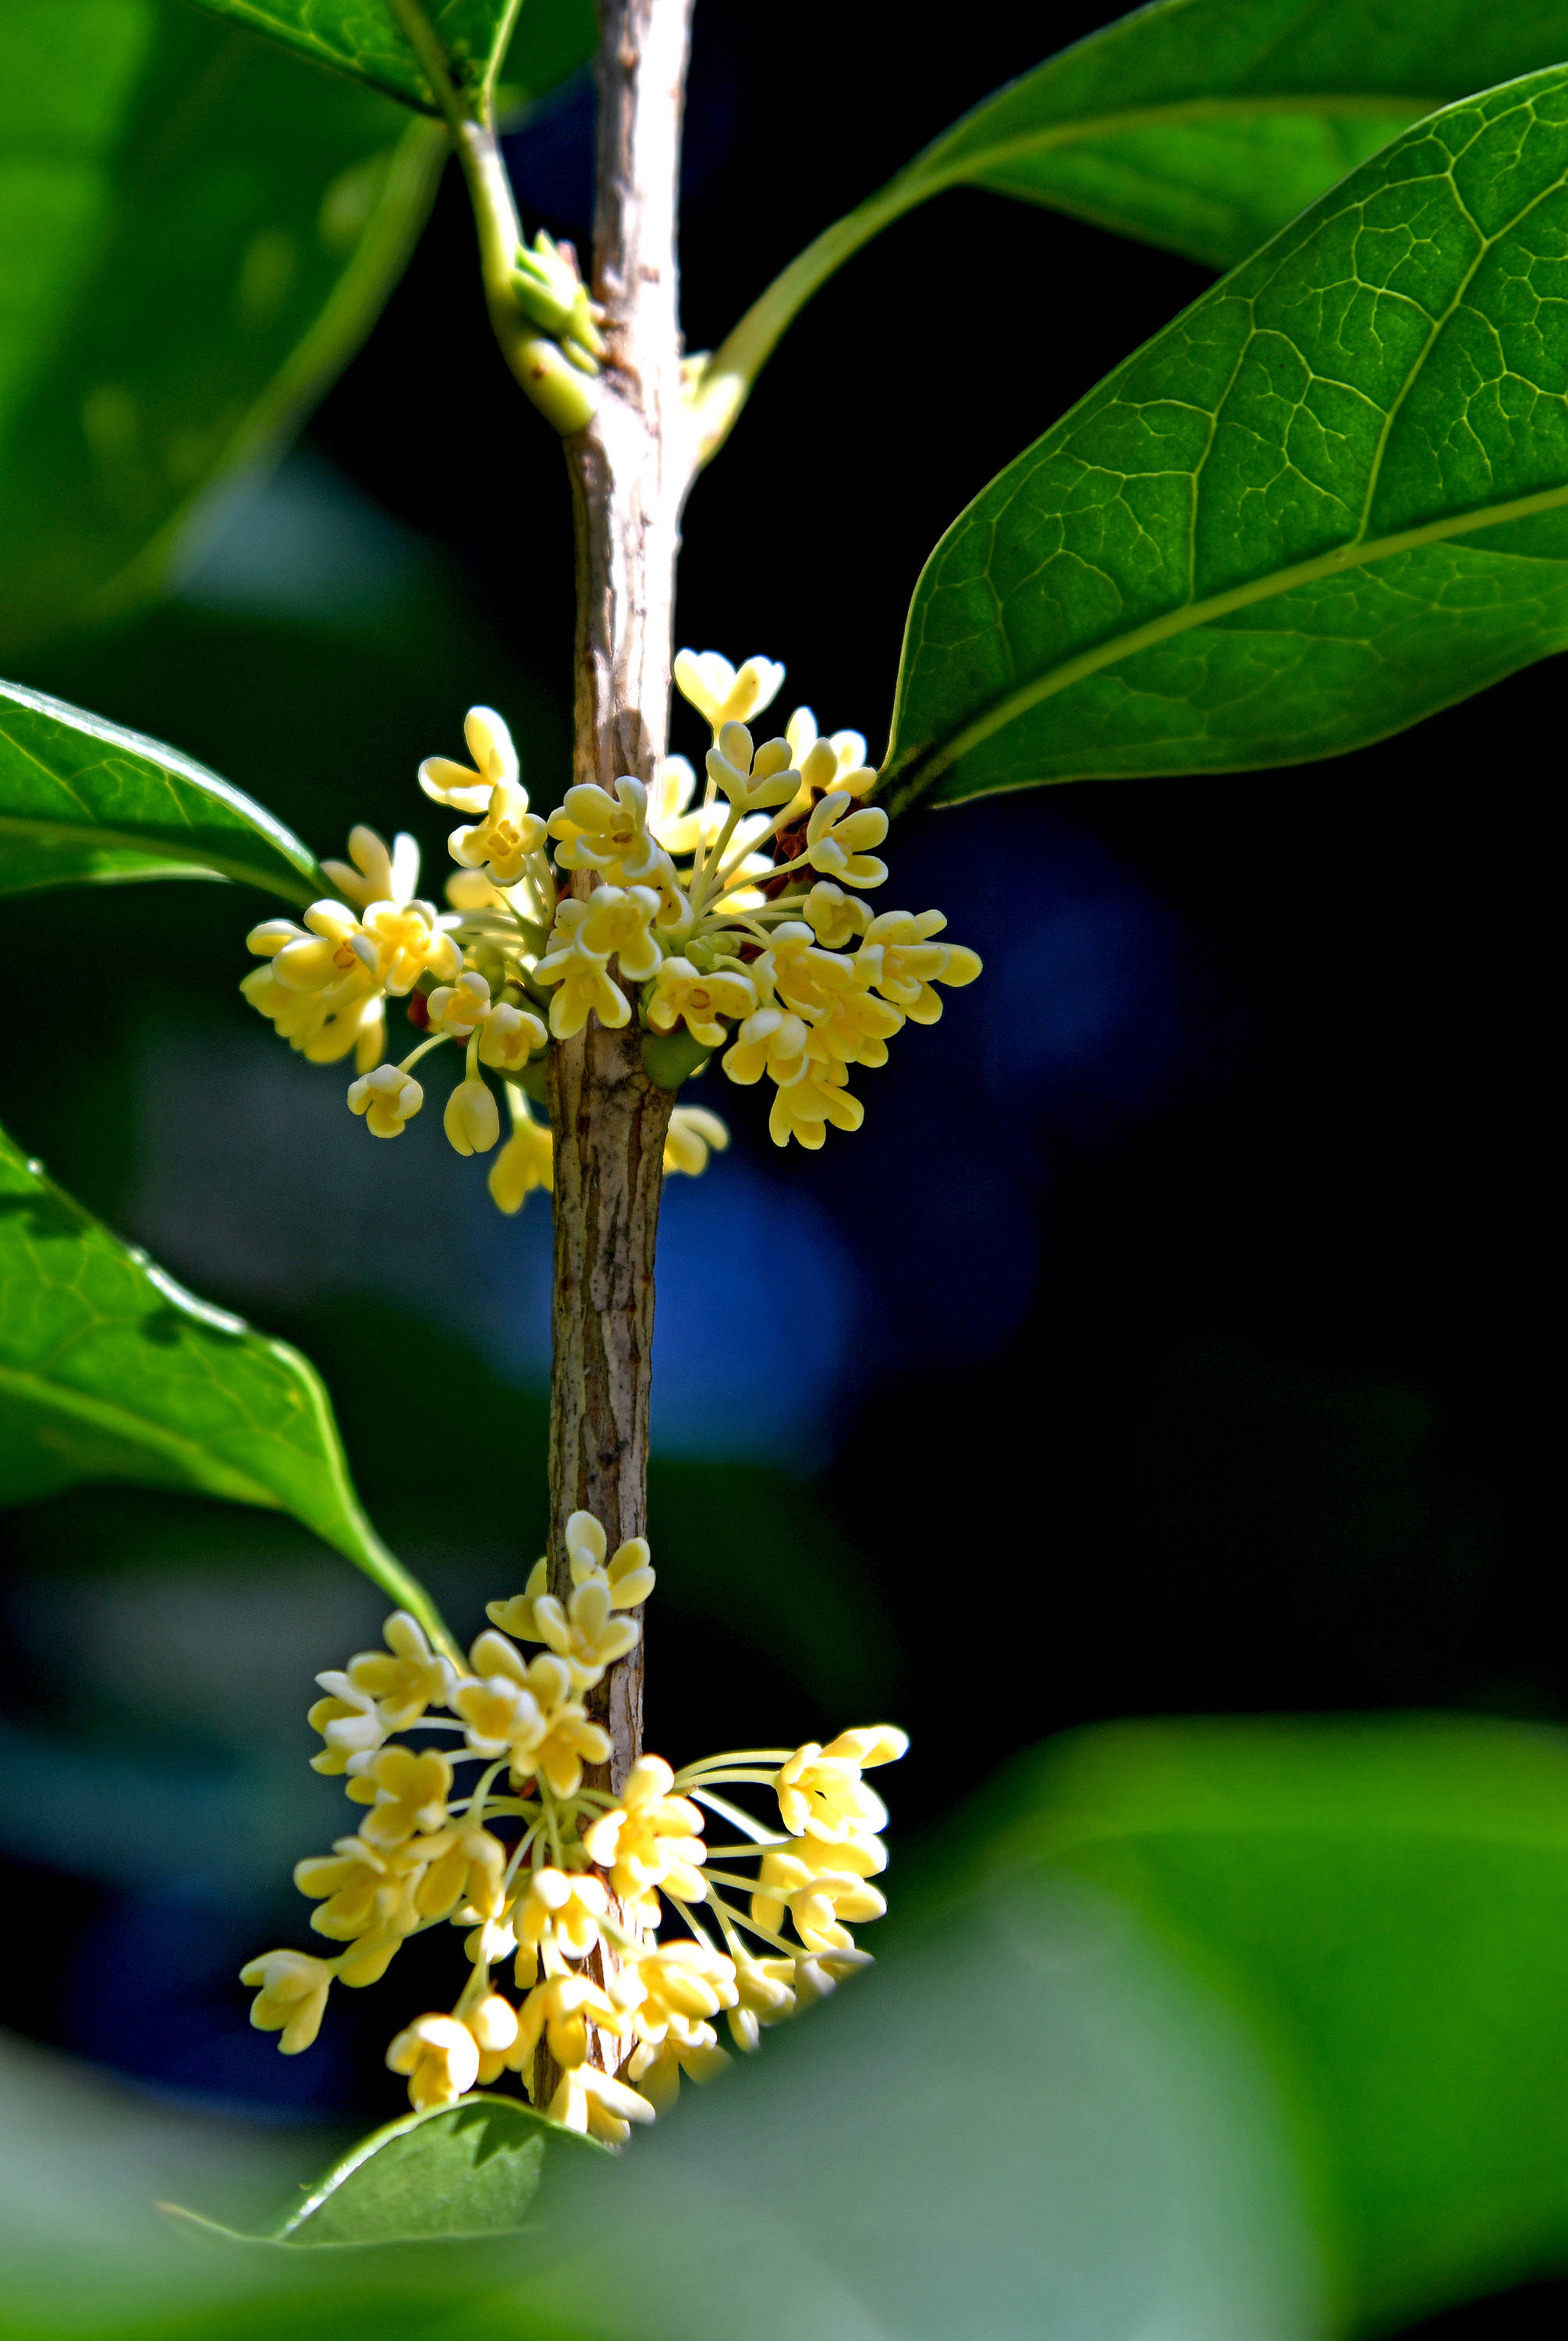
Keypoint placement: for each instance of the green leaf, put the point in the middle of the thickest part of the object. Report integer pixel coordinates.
(109, 1369)
(364, 38)
(1200, 126)
(1387, 1903)
(194, 237)
(82, 799)
(1325, 501)
(464, 2170)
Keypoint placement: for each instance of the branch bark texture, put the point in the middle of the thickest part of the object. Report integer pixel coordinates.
(629, 471)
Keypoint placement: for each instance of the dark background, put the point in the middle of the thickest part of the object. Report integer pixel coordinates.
(1162, 1329)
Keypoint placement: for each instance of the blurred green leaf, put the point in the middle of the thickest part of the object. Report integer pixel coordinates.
(194, 237)
(464, 2170)
(1387, 1903)
(80, 799)
(1204, 126)
(109, 1369)
(1324, 501)
(363, 37)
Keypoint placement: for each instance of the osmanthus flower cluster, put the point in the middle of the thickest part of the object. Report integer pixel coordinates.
(563, 1891)
(735, 921)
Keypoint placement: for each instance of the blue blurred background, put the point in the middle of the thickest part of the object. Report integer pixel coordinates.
(1164, 1315)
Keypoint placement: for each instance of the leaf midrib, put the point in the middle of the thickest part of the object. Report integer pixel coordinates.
(1356, 554)
(61, 832)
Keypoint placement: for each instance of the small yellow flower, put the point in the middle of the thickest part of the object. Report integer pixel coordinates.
(618, 920)
(331, 954)
(818, 1900)
(720, 692)
(584, 1633)
(805, 977)
(349, 1721)
(405, 1678)
(652, 1838)
(598, 2105)
(293, 1996)
(465, 1868)
(657, 2070)
(820, 1791)
(472, 1117)
(388, 1098)
(683, 990)
(583, 987)
(505, 1703)
(560, 2011)
(899, 959)
(678, 830)
(693, 1133)
(855, 1030)
(494, 764)
(509, 1037)
(803, 1109)
(367, 1959)
(834, 917)
(753, 779)
(837, 838)
(835, 760)
(596, 831)
(362, 1888)
(457, 1008)
(765, 1993)
(440, 2059)
(322, 1034)
(470, 889)
(526, 1161)
(568, 1906)
(674, 1987)
(771, 1041)
(493, 2024)
(501, 843)
(408, 944)
(374, 874)
(409, 1792)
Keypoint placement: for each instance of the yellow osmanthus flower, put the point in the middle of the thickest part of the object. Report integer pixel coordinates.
(803, 1110)
(833, 760)
(405, 1678)
(440, 2057)
(752, 779)
(388, 1098)
(836, 837)
(501, 843)
(835, 918)
(473, 1119)
(652, 1840)
(526, 1161)
(584, 988)
(564, 1908)
(362, 1888)
(459, 1008)
(900, 961)
(560, 2012)
(699, 997)
(764, 1994)
(820, 1791)
(693, 1134)
(492, 2021)
(350, 1722)
(598, 2105)
(607, 833)
(508, 1036)
(293, 1996)
(855, 1030)
(375, 872)
(773, 1042)
(406, 1792)
(818, 1901)
(494, 765)
(526, 1713)
(723, 693)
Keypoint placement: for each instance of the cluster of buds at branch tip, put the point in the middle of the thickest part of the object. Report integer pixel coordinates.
(571, 1887)
(558, 360)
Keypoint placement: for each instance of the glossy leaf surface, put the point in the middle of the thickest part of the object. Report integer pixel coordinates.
(111, 1371)
(1205, 125)
(1386, 1903)
(363, 37)
(467, 2169)
(195, 235)
(1327, 500)
(82, 799)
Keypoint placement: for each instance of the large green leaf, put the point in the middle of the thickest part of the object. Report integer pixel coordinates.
(109, 1369)
(1386, 1903)
(80, 799)
(1201, 126)
(195, 235)
(364, 38)
(1325, 501)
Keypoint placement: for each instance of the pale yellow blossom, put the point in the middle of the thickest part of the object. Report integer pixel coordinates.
(362, 1888)
(292, 1997)
(583, 987)
(818, 1901)
(372, 873)
(349, 1721)
(752, 779)
(723, 693)
(457, 1008)
(802, 1109)
(855, 1030)
(900, 959)
(492, 2021)
(509, 1037)
(583, 1632)
(657, 2070)
(652, 1838)
(526, 1161)
(409, 1792)
(598, 2105)
(617, 920)
(500, 843)
(630, 1576)
(835, 760)
(494, 764)
(440, 2057)
(765, 1995)
(837, 835)
(834, 917)
(410, 942)
(820, 1791)
(806, 978)
(465, 1865)
(597, 831)
(560, 2011)
(472, 1117)
(332, 953)
(568, 1906)
(693, 1133)
(771, 1041)
(405, 1678)
(699, 997)
(388, 1098)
